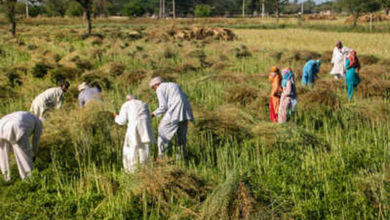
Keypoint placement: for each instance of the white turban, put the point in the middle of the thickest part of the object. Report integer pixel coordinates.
(155, 80)
(130, 97)
(82, 86)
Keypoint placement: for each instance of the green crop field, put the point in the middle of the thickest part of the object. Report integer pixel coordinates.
(331, 161)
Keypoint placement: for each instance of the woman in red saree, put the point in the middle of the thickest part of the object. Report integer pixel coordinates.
(275, 80)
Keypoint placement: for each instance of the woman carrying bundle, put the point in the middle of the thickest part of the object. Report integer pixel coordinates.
(289, 96)
(352, 79)
(275, 79)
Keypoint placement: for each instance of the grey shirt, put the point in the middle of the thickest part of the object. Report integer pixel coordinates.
(88, 94)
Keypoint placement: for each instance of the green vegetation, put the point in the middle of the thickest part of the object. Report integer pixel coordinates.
(331, 161)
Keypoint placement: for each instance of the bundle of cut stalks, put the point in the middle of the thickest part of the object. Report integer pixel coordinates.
(368, 18)
(319, 17)
(227, 120)
(165, 183)
(229, 200)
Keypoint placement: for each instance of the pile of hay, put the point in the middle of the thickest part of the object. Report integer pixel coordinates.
(164, 184)
(230, 200)
(298, 55)
(242, 94)
(319, 17)
(202, 33)
(320, 97)
(274, 135)
(326, 56)
(367, 18)
(227, 120)
(368, 59)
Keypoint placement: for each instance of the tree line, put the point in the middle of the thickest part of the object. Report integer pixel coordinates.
(14, 9)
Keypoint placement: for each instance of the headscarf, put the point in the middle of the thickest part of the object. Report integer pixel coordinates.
(130, 97)
(82, 86)
(274, 72)
(286, 76)
(155, 81)
(354, 60)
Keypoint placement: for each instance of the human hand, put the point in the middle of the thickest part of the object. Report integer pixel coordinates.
(115, 114)
(152, 115)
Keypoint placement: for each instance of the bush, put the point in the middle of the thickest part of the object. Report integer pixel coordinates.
(133, 9)
(40, 70)
(74, 10)
(202, 10)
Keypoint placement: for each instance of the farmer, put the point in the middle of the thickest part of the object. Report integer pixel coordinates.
(288, 98)
(339, 56)
(173, 102)
(15, 130)
(53, 97)
(139, 133)
(352, 79)
(275, 79)
(87, 94)
(310, 71)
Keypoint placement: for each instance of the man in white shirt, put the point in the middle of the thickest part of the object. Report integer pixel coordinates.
(50, 98)
(173, 102)
(15, 130)
(87, 94)
(139, 135)
(340, 53)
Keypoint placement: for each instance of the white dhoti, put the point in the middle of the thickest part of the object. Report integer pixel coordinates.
(136, 147)
(23, 157)
(167, 130)
(134, 155)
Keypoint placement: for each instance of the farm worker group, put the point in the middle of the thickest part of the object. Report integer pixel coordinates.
(283, 97)
(16, 127)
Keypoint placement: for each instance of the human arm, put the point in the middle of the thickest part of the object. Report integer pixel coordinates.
(163, 104)
(81, 100)
(122, 118)
(347, 64)
(60, 100)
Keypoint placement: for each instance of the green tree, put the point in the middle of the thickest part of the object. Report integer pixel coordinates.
(73, 9)
(358, 7)
(202, 10)
(56, 7)
(278, 6)
(102, 7)
(386, 6)
(87, 7)
(9, 7)
(133, 8)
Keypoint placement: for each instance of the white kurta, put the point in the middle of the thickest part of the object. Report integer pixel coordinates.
(53, 97)
(174, 103)
(15, 129)
(338, 60)
(139, 133)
